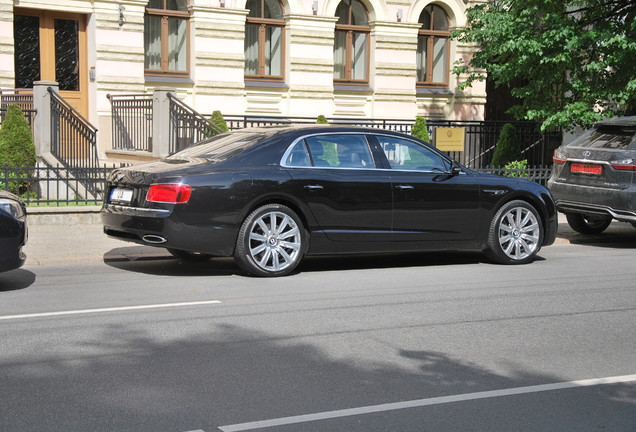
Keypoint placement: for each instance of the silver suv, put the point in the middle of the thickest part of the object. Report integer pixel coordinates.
(594, 177)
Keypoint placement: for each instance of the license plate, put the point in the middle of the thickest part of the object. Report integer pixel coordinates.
(586, 168)
(121, 195)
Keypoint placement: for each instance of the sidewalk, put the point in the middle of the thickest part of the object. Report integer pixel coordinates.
(64, 237)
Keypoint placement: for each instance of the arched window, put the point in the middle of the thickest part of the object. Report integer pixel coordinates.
(433, 48)
(351, 46)
(166, 25)
(264, 37)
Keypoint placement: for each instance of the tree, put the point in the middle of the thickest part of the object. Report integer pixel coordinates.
(322, 120)
(218, 121)
(570, 62)
(420, 129)
(507, 149)
(16, 149)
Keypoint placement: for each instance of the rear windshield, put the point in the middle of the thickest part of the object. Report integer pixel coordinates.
(609, 137)
(220, 147)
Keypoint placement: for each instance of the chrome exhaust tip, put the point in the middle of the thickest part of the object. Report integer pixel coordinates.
(154, 239)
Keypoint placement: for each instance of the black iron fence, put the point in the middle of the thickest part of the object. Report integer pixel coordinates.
(131, 122)
(56, 186)
(187, 126)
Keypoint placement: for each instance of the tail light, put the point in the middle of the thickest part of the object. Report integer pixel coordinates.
(176, 193)
(624, 165)
(558, 157)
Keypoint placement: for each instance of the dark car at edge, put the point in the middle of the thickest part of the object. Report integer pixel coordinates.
(13, 231)
(270, 196)
(593, 176)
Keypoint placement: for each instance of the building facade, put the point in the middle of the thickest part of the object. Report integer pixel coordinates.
(302, 58)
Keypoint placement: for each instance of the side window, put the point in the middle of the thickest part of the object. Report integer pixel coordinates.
(298, 157)
(409, 155)
(341, 151)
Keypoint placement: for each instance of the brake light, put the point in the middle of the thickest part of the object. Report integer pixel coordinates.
(624, 165)
(558, 157)
(169, 193)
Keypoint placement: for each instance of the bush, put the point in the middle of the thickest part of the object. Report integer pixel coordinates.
(507, 149)
(516, 168)
(322, 120)
(218, 121)
(16, 149)
(420, 129)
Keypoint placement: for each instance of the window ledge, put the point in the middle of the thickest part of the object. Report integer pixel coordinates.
(168, 79)
(434, 91)
(268, 84)
(352, 88)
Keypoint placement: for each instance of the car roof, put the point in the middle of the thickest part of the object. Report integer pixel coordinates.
(618, 121)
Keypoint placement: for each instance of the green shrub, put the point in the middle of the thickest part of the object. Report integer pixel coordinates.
(507, 149)
(420, 129)
(322, 120)
(218, 121)
(16, 150)
(516, 168)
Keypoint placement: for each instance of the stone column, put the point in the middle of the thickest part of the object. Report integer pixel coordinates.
(42, 121)
(161, 122)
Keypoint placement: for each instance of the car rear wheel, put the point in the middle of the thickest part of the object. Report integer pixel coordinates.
(271, 242)
(189, 256)
(588, 224)
(516, 234)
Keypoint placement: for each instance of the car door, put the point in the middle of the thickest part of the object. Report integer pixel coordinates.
(429, 203)
(335, 174)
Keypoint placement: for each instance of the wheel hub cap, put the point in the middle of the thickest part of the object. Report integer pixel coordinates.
(519, 233)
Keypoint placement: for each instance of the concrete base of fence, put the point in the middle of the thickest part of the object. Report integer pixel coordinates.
(63, 215)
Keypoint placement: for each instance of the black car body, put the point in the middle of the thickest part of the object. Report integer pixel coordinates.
(269, 196)
(13, 231)
(593, 176)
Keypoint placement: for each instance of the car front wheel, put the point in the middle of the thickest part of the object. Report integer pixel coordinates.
(588, 224)
(271, 242)
(516, 234)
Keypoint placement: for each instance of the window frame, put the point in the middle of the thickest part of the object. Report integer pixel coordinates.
(430, 34)
(349, 29)
(263, 24)
(165, 15)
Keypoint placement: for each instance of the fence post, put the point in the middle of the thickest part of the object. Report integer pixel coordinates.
(42, 120)
(161, 122)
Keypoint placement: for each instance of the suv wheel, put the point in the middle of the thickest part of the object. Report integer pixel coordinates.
(588, 224)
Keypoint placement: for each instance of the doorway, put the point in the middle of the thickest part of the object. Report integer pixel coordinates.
(51, 46)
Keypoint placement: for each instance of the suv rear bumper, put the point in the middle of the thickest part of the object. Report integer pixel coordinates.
(587, 208)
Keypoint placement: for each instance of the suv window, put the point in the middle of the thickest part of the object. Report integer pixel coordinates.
(609, 137)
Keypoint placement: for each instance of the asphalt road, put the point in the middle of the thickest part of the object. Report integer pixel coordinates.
(425, 342)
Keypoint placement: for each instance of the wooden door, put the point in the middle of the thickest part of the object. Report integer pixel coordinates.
(51, 46)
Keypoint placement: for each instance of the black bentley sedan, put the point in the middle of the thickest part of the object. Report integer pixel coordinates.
(13, 231)
(270, 196)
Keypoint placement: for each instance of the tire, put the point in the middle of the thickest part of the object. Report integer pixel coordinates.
(587, 224)
(515, 235)
(271, 242)
(189, 256)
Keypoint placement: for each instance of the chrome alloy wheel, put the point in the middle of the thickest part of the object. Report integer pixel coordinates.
(274, 241)
(519, 233)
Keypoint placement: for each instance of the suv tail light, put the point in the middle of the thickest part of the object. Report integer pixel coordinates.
(624, 165)
(176, 193)
(558, 157)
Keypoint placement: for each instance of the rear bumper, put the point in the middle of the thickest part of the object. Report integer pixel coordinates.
(595, 209)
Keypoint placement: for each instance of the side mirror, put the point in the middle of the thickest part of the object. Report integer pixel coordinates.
(455, 169)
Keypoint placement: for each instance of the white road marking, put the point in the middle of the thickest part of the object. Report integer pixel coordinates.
(425, 402)
(112, 309)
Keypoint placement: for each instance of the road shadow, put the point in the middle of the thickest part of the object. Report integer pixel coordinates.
(16, 280)
(618, 235)
(118, 378)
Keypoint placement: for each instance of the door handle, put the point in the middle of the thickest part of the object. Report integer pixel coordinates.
(404, 187)
(313, 187)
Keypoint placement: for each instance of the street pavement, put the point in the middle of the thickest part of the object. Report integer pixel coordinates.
(72, 242)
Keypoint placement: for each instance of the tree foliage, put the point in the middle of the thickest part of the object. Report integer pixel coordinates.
(217, 120)
(507, 149)
(322, 120)
(16, 150)
(420, 129)
(570, 62)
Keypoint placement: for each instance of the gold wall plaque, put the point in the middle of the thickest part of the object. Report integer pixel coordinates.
(450, 139)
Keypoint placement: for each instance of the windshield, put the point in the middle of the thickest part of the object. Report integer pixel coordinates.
(609, 137)
(220, 147)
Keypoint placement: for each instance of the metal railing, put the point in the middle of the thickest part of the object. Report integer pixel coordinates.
(73, 140)
(20, 97)
(131, 122)
(187, 126)
(479, 141)
(56, 186)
